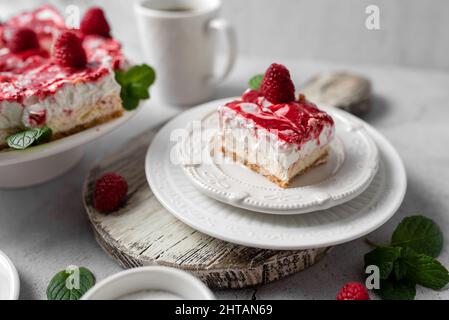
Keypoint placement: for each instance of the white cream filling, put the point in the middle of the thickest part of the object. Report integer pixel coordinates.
(10, 115)
(71, 97)
(264, 148)
(14, 115)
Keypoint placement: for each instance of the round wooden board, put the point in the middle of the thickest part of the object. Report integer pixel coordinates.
(143, 232)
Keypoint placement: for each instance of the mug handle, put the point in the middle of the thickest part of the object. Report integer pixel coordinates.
(223, 26)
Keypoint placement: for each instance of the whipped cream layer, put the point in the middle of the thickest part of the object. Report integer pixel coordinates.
(274, 137)
(67, 99)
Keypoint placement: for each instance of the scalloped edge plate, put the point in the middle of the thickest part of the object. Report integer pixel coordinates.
(352, 164)
(339, 224)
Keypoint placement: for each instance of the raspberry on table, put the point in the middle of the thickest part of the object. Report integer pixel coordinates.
(353, 291)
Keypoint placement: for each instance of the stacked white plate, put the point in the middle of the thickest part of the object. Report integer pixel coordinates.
(9, 279)
(359, 188)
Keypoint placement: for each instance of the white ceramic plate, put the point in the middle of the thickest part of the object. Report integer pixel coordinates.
(44, 162)
(351, 166)
(64, 144)
(9, 279)
(338, 224)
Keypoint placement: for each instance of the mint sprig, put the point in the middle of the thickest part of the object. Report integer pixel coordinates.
(419, 233)
(28, 138)
(424, 270)
(397, 290)
(135, 83)
(255, 82)
(70, 284)
(409, 259)
(384, 259)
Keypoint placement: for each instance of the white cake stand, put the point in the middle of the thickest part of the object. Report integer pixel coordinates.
(39, 164)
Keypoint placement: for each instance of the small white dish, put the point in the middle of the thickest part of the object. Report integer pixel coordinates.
(339, 224)
(42, 163)
(352, 164)
(9, 279)
(162, 282)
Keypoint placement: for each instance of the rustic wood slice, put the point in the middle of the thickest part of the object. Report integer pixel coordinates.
(346, 91)
(143, 232)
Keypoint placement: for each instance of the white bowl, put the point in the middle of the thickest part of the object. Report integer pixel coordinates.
(9, 279)
(154, 278)
(42, 163)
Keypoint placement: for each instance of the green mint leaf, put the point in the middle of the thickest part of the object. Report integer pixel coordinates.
(425, 270)
(28, 138)
(384, 258)
(130, 103)
(419, 233)
(400, 269)
(142, 74)
(42, 135)
(138, 90)
(255, 82)
(135, 83)
(70, 284)
(120, 77)
(21, 140)
(396, 290)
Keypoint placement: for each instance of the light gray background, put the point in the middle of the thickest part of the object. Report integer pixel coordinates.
(44, 229)
(413, 32)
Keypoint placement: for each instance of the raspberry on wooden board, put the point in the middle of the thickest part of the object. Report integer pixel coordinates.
(110, 191)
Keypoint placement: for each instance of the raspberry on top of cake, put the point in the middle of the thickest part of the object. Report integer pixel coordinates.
(54, 76)
(273, 132)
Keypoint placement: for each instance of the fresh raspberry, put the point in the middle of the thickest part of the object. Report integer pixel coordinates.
(353, 291)
(22, 39)
(68, 51)
(94, 22)
(109, 192)
(38, 118)
(277, 86)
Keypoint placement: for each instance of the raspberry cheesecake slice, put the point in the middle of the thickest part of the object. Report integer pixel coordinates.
(273, 133)
(56, 77)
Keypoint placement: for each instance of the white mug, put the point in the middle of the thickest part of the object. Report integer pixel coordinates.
(178, 38)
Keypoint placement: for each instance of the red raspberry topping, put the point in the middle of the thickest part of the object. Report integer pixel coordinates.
(22, 39)
(94, 22)
(38, 118)
(68, 51)
(251, 96)
(353, 291)
(109, 192)
(277, 86)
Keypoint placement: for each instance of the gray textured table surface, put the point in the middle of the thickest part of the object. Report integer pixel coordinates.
(44, 229)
